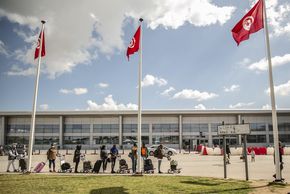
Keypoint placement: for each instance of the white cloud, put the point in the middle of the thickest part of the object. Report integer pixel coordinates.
(200, 107)
(76, 91)
(241, 105)
(150, 80)
(18, 71)
(194, 94)
(233, 88)
(103, 85)
(281, 90)
(110, 104)
(44, 106)
(262, 65)
(101, 32)
(168, 91)
(266, 107)
(3, 49)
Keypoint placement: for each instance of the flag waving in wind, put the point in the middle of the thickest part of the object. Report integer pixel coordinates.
(36, 54)
(252, 22)
(134, 44)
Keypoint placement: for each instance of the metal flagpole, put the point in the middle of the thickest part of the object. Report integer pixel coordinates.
(140, 100)
(272, 93)
(32, 127)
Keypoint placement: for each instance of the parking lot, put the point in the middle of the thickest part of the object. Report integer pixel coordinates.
(191, 164)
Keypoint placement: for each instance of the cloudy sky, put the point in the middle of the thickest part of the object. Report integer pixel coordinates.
(190, 60)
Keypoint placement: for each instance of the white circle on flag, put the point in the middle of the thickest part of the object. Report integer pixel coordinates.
(247, 23)
(132, 43)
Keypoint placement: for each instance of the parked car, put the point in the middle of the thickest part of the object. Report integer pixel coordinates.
(129, 141)
(167, 150)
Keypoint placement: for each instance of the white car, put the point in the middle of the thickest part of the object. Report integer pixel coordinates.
(167, 150)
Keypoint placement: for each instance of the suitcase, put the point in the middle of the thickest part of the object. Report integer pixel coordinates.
(39, 167)
(22, 164)
(87, 166)
(65, 166)
(148, 166)
(97, 166)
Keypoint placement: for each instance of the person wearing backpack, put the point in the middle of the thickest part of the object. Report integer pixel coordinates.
(51, 156)
(12, 157)
(77, 157)
(144, 151)
(159, 154)
(134, 157)
(104, 157)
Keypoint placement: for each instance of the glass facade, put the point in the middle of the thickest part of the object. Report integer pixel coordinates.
(76, 128)
(106, 128)
(165, 139)
(72, 140)
(17, 139)
(133, 139)
(256, 138)
(284, 138)
(258, 126)
(193, 127)
(41, 140)
(106, 140)
(132, 128)
(164, 128)
(18, 128)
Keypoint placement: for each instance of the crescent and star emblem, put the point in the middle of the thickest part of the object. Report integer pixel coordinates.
(132, 43)
(247, 23)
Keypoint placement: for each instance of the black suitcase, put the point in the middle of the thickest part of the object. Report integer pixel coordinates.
(87, 166)
(148, 165)
(97, 166)
(22, 164)
(65, 166)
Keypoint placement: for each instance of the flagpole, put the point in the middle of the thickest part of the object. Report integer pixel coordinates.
(139, 139)
(272, 94)
(32, 126)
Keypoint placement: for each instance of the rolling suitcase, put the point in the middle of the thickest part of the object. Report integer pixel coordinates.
(22, 164)
(39, 167)
(97, 166)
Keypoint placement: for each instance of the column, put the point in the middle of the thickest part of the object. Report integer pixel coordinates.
(180, 133)
(61, 132)
(120, 130)
(2, 131)
(267, 134)
(209, 135)
(150, 133)
(239, 136)
(91, 135)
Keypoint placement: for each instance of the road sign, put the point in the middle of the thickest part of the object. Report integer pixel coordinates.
(234, 129)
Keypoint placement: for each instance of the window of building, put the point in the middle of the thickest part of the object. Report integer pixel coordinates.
(17, 139)
(69, 140)
(15, 128)
(164, 128)
(258, 126)
(284, 138)
(133, 139)
(106, 128)
(195, 127)
(256, 138)
(46, 128)
(165, 139)
(42, 140)
(76, 128)
(132, 128)
(106, 140)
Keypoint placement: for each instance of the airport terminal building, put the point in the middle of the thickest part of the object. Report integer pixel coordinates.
(173, 128)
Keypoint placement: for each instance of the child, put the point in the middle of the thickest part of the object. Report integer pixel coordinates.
(252, 155)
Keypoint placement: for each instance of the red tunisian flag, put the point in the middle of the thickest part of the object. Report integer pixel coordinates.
(135, 43)
(252, 22)
(37, 49)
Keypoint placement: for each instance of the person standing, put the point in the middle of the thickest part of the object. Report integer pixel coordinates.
(77, 156)
(12, 157)
(114, 153)
(281, 152)
(134, 157)
(253, 155)
(228, 152)
(160, 155)
(51, 156)
(104, 157)
(144, 151)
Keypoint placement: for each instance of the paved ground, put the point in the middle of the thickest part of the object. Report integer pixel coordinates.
(195, 165)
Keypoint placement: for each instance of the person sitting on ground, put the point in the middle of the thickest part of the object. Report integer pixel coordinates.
(51, 156)
(104, 157)
(144, 151)
(114, 153)
(12, 154)
(77, 157)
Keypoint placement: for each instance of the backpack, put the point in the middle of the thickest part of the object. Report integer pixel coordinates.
(156, 153)
(144, 151)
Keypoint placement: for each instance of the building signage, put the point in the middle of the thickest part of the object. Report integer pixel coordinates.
(234, 129)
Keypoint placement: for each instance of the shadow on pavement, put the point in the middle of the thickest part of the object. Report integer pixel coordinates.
(109, 190)
(200, 183)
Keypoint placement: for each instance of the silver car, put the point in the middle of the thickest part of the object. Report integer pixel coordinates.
(168, 151)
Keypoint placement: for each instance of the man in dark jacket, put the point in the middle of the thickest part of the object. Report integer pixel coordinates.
(104, 157)
(160, 155)
(114, 153)
(77, 156)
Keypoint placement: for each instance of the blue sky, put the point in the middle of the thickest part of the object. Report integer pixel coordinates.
(190, 60)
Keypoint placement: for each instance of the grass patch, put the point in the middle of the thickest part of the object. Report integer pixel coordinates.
(42, 183)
